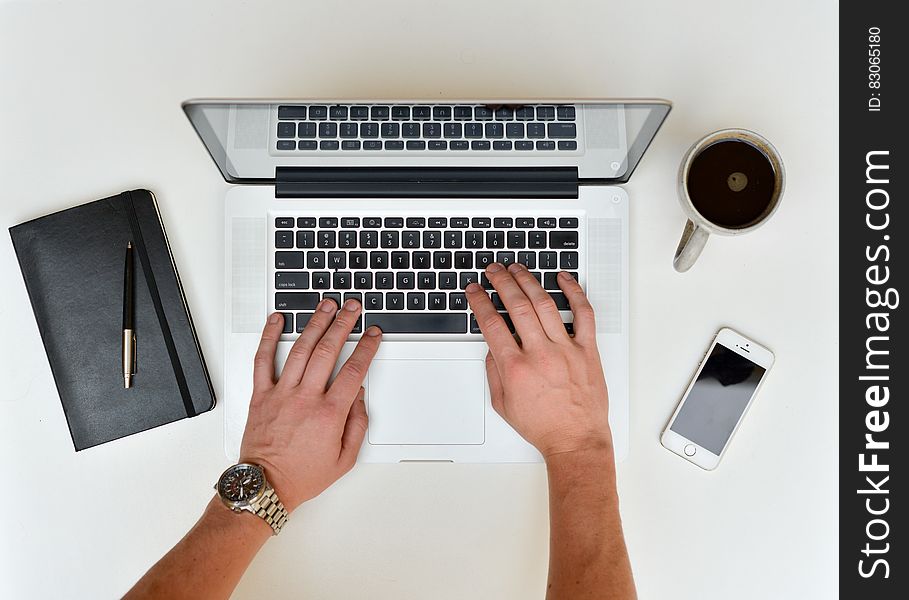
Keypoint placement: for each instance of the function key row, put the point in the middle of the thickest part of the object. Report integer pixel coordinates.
(431, 222)
(339, 112)
(435, 145)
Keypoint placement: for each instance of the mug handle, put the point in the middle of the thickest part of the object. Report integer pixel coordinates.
(693, 240)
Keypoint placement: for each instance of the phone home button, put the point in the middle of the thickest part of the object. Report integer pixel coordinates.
(690, 449)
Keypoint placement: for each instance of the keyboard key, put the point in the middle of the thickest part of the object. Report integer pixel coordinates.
(350, 145)
(448, 280)
(484, 259)
(432, 130)
(400, 113)
(482, 113)
(350, 221)
(306, 239)
(551, 282)
(359, 112)
(318, 113)
(372, 145)
(504, 113)
(281, 222)
(328, 130)
(284, 239)
(517, 239)
(385, 280)
(438, 222)
(426, 280)
(525, 222)
(416, 301)
(289, 260)
(454, 239)
(523, 145)
(328, 145)
(536, 130)
(563, 239)
(441, 260)
(405, 280)
(296, 300)
(307, 145)
(441, 113)
(494, 130)
(545, 145)
(565, 113)
(357, 260)
(389, 239)
(546, 222)
(369, 239)
(497, 301)
(416, 222)
(505, 258)
(457, 301)
(337, 260)
(362, 280)
(391, 130)
(459, 145)
(326, 239)
(291, 112)
(321, 280)
(548, 260)
(349, 130)
(418, 323)
(536, 239)
(524, 113)
(514, 130)
(438, 145)
(463, 113)
(287, 130)
(561, 130)
(400, 260)
(410, 239)
(568, 145)
(298, 281)
(306, 130)
(503, 222)
(485, 283)
(473, 239)
(568, 222)
(479, 145)
(421, 113)
(342, 280)
(501, 145)
(421, 260)
(286, 145)
(475, 327)
(302, 320)
(463, 260)
(528, 259)
(545, 113)
(568, 260)
(437, 301)
(374, 301)
(495, 239)
(432, 239)
(467, 278)
(473, 130)
(452, 130)
(394, 222)
(416, 145)
(369, 130)
(410, 130)
(394, 301)
(378, 259)
(305, 222)
(560, 300)
(372, 222)
(328, 222)
(337, 113)
(379, 113)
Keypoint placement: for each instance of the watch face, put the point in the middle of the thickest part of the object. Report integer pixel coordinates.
(241, 483)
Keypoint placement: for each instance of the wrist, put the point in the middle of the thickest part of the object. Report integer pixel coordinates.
(591, 460)
(243, 524)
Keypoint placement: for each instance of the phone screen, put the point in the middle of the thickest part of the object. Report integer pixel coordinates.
(717, 399)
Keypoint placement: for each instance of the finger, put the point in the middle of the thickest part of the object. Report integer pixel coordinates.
(517, 304)
(585, 330)
(264, 361)
(354, 431)
(496, 390)
(494, 329)
(543, 304)
(303, 347)
(324, 356)
(351, 375)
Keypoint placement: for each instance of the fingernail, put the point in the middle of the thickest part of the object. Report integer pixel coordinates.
(351, 305)
(373, 331)
(494, 268)
(328, 306)
(472, 287)
(565, 276)
(515, 267)
(273, 318)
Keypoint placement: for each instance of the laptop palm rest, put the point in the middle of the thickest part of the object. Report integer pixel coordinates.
(426, 401)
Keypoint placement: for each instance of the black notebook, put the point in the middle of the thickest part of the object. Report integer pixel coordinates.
(73, 265)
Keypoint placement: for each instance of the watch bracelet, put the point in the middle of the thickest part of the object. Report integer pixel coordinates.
(271, 510)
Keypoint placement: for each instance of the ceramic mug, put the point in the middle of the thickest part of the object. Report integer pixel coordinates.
(726, 189)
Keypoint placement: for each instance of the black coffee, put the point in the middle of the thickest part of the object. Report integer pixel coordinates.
(731, 183)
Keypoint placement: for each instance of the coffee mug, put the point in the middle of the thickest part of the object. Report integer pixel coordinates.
(730, 182)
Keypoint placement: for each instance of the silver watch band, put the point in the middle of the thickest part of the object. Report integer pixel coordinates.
(271, 510)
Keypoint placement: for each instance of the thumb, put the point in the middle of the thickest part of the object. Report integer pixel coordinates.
(354, 431)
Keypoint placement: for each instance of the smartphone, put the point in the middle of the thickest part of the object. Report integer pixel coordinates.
(723, 388)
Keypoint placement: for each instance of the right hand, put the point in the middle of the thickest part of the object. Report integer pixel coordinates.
(549, 386)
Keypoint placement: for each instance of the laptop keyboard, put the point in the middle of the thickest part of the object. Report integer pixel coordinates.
(409, 272)
(437, 128)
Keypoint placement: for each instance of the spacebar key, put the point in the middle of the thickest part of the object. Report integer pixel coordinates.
(418, 323)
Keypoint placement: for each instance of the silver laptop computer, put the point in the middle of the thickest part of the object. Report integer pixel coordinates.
(401, 204)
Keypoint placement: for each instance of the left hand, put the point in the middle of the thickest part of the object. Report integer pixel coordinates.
(303, 431)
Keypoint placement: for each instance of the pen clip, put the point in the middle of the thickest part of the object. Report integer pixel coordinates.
(135, 353)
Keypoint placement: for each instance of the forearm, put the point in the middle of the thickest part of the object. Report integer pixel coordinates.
(588, 557)
(209, 561)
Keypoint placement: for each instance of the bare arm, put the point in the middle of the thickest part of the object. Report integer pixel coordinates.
(550, 387)
(303, 431)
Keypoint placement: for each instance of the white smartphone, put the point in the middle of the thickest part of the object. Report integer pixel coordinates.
(717, 399)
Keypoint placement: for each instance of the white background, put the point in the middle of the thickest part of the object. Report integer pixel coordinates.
(90, 106)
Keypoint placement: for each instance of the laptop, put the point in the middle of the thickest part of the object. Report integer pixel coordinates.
(401, 204)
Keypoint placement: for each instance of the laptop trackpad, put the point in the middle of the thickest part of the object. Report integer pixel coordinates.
(426, 402)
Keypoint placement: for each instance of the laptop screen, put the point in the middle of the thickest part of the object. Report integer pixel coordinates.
(249, 140)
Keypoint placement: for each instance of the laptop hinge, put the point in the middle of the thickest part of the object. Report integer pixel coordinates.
(426, 182)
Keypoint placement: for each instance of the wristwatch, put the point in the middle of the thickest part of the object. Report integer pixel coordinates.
(243, 487)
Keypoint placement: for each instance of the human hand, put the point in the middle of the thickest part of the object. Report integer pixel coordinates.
(549, 386)
(303, 431)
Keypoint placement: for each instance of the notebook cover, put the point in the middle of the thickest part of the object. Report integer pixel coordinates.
(73, 264)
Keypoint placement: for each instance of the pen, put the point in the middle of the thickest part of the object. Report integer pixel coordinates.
(129, 336)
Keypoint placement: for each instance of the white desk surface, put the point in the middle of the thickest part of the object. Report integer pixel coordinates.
(91, 106)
